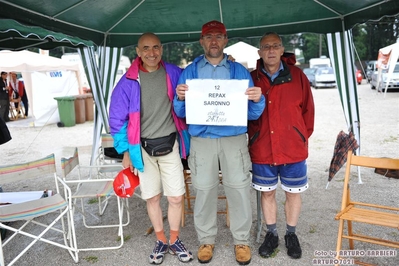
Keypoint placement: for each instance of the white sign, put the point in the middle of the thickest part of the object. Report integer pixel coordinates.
(217, 102)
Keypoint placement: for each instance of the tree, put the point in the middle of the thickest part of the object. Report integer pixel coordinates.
(380, 34)
(309, 43)
(359, 34)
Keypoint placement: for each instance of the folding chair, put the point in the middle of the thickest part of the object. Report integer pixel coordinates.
(188, 197)
(37, 212)
(108, 156)
(366, 212)
(93, 186)
(16, 112)
(107, 153)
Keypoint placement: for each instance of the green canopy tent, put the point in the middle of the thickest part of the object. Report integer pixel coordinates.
(119, 23)
(15, 36)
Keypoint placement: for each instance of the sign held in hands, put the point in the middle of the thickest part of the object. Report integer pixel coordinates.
(217, 102)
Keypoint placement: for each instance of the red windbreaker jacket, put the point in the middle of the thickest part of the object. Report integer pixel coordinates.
(281, 133)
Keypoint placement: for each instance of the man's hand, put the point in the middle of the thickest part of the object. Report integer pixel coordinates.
(181, 91)
(254, 93)
(126, 162)
(231, 58)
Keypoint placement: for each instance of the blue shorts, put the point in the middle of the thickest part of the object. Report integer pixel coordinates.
(292, 176)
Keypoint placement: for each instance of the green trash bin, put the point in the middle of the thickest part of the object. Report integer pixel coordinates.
(66, 109)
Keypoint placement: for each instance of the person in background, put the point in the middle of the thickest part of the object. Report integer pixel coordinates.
(144, 128)
(17, 90)
(4, 97)
(278, 140)
(220, 146)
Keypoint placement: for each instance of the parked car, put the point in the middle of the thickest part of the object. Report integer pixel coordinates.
(371, 68)
(324, 78)
(359, 76)
(393, 83)
(310, 72)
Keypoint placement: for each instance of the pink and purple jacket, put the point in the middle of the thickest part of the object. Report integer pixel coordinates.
(124, 113)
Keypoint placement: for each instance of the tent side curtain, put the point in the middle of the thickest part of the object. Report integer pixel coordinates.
(340, 46)
(101, 72)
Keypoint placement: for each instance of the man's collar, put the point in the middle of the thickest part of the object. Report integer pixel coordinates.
(281, 68)
(205, 61)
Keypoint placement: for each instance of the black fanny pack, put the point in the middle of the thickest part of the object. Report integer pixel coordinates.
(159, 146)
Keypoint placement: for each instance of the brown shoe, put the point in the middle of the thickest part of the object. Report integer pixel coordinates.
(205, 253)
(243, 254)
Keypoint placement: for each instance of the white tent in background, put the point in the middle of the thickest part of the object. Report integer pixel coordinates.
(45, 77)
(244, 53)
(387, 58)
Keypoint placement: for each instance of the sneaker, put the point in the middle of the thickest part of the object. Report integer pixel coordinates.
(205, 253)
(269, 245)
(292, 244)
(243, 254)
(158, 252)
(180, 250)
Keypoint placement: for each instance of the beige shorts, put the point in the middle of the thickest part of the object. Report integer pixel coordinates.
(162, 173)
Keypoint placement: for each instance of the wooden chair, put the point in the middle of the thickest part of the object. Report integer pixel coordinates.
(366, 212)
(188, 197)
(49, 212)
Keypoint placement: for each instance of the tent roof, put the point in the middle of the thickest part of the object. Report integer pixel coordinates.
(25, 61)
(119, 23)
(15, 36)
(243, 53)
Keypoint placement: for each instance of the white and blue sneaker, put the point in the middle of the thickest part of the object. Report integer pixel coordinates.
(158, 252)
(180, 250)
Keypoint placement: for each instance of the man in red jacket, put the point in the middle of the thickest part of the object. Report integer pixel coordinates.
(279, 140)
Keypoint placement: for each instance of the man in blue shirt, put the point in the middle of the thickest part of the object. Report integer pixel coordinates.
(225, 147)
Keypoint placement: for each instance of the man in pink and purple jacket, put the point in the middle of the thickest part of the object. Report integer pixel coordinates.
(153, 139)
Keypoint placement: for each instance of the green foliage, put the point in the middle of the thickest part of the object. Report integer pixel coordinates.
(275, 252)
(91, 259)
(312, 229)
(92, 201)
(125, 238)
(359, 39)
(380, 34)
(310, 45)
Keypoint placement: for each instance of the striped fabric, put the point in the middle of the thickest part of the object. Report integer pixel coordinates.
(33, 169)
(93, 187)
(101, 75)
(107, 140)
(31, 209)
(340, 46)
(24, 171)
(67, 164)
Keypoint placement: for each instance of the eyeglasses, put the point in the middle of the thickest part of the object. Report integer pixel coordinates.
(219, 37)
(268, 47)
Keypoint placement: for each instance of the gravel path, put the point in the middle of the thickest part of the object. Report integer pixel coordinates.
(317, 229)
